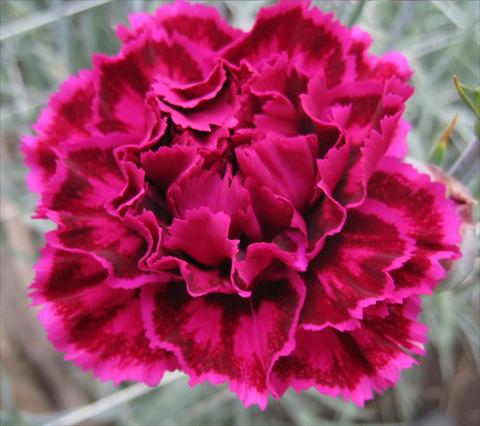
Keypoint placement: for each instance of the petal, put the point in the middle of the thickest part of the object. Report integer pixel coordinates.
(352, 364)
(222, 337)
(88, 177)
(201, 24)
(352, 268)
(140, 22)
(212, 187)
(238, 204)
(62, 274)
(391, 64)
(264, 201)
(284, 165)
(166, 164)
(200, 187)
(369, 102)
(274, 93)
(98, 328)
(121, 85)
(202, 281)
(288, 248)
(326, 215)
(217, 111)
(322, 310)
(310, 37)
(399, 323)
(361, 41)
(314, 101)
(365, 99)
(272, 32)
(122, 82)
(278, 116)
(347, 168)
(118, 247)
(65, 120)
(146, 226)
(199, 280)
(272, 77)
(203, 235)
(430, 220)
(325, 218)
(191, 95)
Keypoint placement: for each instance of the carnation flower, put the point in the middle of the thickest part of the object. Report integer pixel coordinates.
(235, 206)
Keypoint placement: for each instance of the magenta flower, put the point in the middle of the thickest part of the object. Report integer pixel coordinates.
(235, 205)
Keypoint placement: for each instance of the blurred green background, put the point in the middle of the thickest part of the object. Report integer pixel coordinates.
(43, 41)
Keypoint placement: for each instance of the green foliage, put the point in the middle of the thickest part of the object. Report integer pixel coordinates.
(471, 97)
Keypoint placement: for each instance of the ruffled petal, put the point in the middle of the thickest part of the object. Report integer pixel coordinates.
(122, 82)
(391, 64)
(218, 111)
(200, 24)
(284, 165)
(430, 220)
(226, 337)
(118, 247)
(140, 23)
(98, 328)
(87, 180)
(121, 87)
(166, 164)
(271, 98)
(347, 167)
(369, 102)
(87, 177)
(191, 95)
(264, 201)
(355, 363)
(219, 191)
(62, 274)
(288, 248)
(311, 39)
(203, 236)
(65, 120)
(351, 271)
